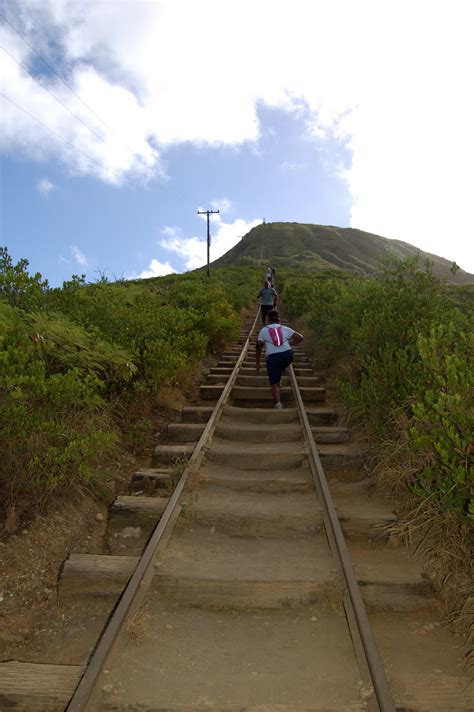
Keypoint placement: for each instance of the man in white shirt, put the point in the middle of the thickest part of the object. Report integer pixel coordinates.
(278, 341)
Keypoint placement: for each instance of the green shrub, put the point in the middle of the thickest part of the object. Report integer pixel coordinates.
(54, 428)
(443, 422)
(405, 346)
(72, 359)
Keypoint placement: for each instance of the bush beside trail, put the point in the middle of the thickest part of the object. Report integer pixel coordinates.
(79, 364)
(402, 348)
(406, 348)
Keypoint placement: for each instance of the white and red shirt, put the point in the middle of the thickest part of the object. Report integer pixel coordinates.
(280, 333)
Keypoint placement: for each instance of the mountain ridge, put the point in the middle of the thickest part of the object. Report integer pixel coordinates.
(311, 247)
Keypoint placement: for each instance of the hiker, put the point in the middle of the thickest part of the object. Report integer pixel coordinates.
(269, 299)
(278, 341)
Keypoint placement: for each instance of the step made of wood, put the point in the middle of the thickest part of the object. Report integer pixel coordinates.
(237, 430)
(389, 580)
(298, 360)
(317, 415)
(95, 575)
(256, 456)
(285, 455)
(340, 457)
(262, 394)
(255, 514)
(251, 371)
(262, 380)
(184, 432)
(33, 686)
(281, 481)
(212, 569)
(249, 360)
(242, 658)
(139, 509)
(148, 480)
(209, 568)
(423, 662)
(196, 414)
(261, 415)
(171, 454)
(361, 515)
(320, 415)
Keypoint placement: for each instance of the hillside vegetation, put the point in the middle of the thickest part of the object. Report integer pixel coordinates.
(404, 345)
(82, 367)
(328, 249)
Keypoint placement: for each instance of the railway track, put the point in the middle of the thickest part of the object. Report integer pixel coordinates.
(251, 581)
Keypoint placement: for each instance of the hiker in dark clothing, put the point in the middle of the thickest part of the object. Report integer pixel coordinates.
(278, 341)
(269, 299)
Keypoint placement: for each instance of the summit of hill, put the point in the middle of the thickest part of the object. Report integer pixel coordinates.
(326, 247)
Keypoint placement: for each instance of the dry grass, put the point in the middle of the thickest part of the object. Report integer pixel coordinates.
(437, 539)
(138, 625)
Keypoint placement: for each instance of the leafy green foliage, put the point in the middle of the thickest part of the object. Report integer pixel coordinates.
(71, 358)
(54, 429)
(443, 411)
(406, 346)
(18, 287)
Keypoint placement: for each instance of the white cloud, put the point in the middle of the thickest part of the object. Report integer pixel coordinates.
(157, 269)
(223, 205)
(388, 80)
(45, 186)
(78, 256)
(193, 250)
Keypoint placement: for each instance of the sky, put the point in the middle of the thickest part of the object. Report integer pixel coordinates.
(121, 119)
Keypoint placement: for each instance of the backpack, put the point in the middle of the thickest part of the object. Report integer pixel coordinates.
(276, 335)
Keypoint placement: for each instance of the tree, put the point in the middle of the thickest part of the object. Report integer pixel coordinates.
(18, 287)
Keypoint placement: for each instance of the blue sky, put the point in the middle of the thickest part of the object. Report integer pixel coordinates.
(260, 120)
(84, 225)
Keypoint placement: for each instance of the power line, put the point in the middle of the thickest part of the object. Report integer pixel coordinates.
(60, 138)
(52, 69)
(36, 79)
(134, 153)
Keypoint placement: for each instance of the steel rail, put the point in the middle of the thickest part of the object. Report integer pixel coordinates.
(84, 698)
(339, 549)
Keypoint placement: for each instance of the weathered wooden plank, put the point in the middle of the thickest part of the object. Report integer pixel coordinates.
(33, 686)
(185, 432)
(170, 454)
(95, 575)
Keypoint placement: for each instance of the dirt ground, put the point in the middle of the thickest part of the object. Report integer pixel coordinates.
(31, 559)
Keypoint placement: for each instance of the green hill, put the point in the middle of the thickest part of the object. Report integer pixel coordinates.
(325, 247)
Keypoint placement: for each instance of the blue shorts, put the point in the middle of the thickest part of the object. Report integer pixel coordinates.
(277, 365)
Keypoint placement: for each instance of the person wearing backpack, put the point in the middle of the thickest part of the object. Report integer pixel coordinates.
(278, 341)
(269, 298)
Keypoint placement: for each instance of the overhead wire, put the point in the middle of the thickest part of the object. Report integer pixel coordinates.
(52, 69)
(134, 153)
(60, 138)
(36, 79)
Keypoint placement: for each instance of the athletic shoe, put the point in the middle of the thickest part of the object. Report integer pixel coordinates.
(279, 405)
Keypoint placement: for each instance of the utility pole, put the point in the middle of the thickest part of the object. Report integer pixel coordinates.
(208, 212)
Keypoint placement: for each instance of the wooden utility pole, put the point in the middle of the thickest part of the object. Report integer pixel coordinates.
(208, 212)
